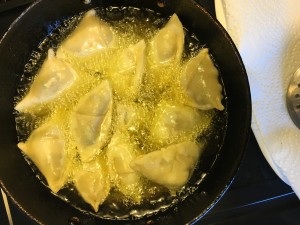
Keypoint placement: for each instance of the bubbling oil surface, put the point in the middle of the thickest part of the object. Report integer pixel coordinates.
(160, 84)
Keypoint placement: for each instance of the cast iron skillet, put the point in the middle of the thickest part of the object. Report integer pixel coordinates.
(17, 178)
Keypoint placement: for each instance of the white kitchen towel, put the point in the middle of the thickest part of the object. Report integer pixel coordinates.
(267, 35)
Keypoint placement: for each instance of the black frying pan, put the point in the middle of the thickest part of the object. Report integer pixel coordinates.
(17, 178)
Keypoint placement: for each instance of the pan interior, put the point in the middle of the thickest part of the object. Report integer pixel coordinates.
(213, 137)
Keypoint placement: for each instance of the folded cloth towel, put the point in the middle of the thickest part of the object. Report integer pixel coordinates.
(267, 35)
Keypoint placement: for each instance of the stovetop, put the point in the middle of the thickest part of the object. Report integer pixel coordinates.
(256, 196)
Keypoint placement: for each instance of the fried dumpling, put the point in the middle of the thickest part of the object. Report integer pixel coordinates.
(126, 116)
(167, 44)
(129, 69)
(200, 83)
(46, 147)
(90, 36)
(129, 116)
(91, 121)
(171, 166)
(54, 77)
(174, 122)
(120, 153)
(92, 183)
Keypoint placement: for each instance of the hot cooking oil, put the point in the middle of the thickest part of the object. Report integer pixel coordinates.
(160, 84)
